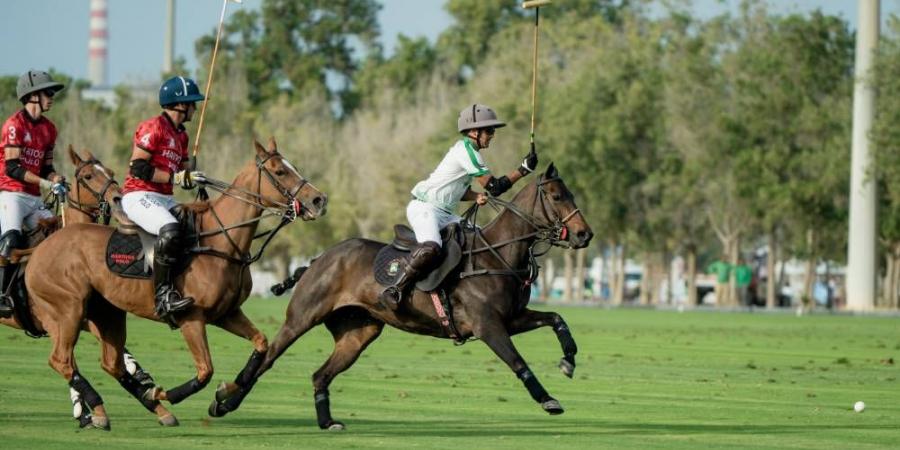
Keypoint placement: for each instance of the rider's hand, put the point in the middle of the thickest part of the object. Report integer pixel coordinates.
(59, 189)
(57, 178)
(45, 184)
(185, 178)
(529, 163)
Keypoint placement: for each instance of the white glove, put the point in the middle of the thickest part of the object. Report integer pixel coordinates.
(45, 184)
(185, 178)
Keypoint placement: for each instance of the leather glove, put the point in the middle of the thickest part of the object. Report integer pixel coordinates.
(529, 163)
(185, 178)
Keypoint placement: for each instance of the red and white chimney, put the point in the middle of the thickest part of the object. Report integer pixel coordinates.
(97, 44)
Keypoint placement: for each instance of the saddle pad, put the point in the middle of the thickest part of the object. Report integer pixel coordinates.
(125, 256)
(21, 307)
(389, 265)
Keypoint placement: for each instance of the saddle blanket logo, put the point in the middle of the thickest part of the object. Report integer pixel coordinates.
(393, 267)
(122, 258)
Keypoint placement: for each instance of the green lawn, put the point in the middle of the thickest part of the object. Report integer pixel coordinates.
(644, 379)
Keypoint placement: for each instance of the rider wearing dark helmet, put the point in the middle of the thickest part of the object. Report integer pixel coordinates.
(27, 142)
(159, 159)
(436, 198)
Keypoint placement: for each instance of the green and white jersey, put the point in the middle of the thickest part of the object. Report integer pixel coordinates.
(446, 185)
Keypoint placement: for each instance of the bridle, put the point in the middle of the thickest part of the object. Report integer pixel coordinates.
(288, 210)
(550, 228)
(102, 213)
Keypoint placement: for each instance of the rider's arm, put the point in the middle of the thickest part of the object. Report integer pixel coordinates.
(497, 186)
(15, 170)
(141, 168)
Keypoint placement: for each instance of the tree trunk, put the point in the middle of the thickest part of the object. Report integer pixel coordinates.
(733, 260)
(887, 292)
(619, 292)
(549, 274)
(895, 296)
(646, 284)
(580, 255)
(568, 275)
(808, 301)
(692, 276)
(770, 270)
(670, 278)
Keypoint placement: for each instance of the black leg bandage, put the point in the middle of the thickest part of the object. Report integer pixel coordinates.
(184, 391)
(533, 385)
(323, 409)
(565, 338)
(247, 377)
(137, 389)
(88, 394)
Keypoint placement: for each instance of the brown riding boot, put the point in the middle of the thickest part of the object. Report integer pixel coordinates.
(420, 261)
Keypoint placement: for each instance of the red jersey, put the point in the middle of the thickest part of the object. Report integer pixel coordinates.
(35, 139)
(167, 145)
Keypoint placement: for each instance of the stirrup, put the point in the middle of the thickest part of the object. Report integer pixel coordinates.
(169, 301)
(6, 306)
(391, 297)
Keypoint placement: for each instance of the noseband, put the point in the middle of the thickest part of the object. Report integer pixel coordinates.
(102, 213)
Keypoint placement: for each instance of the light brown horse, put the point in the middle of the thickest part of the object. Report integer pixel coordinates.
(217, 278)
(94, 190)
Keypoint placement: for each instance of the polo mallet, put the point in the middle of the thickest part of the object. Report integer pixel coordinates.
(536, 4)
(209, 78)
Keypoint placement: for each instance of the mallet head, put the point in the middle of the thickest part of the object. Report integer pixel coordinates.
(535, 3)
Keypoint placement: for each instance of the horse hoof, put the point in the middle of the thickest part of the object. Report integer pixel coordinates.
(567, 367)
(168, 420)
(336, 426)
(553, 407)
(100, 423)
(216, 409)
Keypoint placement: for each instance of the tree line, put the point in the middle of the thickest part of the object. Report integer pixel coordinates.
(705, 138)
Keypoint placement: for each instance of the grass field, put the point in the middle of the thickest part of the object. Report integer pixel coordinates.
(644, 379)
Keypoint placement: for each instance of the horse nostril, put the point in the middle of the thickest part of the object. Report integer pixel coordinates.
(318, 202)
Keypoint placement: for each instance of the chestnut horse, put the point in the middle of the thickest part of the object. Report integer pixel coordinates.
(490, 303)
(217, 277)
(94, 189)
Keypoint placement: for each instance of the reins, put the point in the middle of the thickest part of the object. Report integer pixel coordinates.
(287, 211)
(554, 232)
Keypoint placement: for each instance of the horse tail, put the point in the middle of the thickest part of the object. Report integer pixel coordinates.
(288, 282)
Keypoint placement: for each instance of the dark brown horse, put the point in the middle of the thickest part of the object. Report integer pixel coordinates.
(339, 290)
(217, 278)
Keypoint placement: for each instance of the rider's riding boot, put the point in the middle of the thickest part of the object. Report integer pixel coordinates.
(420, 260)
(10, 241)
(168, 299)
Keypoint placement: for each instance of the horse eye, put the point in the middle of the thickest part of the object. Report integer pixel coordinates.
(280, 172)
(88, 177)
(556, 197)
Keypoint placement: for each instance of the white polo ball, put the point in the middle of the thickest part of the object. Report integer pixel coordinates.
(859, 407)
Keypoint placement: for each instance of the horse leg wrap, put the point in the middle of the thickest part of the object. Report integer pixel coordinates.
(323, 409)
(533, 385)
(88, 394)
(132, 366)
(185, 390)
(565, 338)
(137, 389)
(247, 377)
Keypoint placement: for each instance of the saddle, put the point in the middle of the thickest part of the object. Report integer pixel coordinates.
(388, 261)
(130, 249)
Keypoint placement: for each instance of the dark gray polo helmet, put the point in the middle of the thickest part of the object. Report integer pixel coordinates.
(478, 116)
(35, 81)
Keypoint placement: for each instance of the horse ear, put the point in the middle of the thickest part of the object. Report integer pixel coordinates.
(260, 150)
(90, 154)
(551, 171)
(273, 147)
(73, 156)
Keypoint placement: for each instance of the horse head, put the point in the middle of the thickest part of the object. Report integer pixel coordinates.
(291, 189)
(555, 204)
(95, 187)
